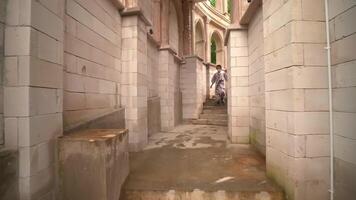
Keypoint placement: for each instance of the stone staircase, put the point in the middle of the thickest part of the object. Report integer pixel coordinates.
(212, 114)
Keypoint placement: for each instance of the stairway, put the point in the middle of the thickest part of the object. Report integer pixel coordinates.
(212, 114)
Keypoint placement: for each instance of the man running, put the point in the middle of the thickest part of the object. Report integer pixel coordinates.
(219, 79)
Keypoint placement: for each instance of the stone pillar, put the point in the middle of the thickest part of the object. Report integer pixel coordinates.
(33, 92)
(168, 91)
(237, 86)
(192, 84)
(188, 27)
(297, 123)
(134, 80)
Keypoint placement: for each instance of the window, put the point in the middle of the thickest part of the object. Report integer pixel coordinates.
(213, 3)
(229, 6)
(213, 51)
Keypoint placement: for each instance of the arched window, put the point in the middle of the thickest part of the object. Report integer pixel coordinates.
(213, 3)
(229, 6)
(216, 49)
(213, 51)
(199, 40)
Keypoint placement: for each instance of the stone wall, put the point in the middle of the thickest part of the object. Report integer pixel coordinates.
(257, 82)
(297, 123)
(92, 60)
(193, 85)
(33, 94)
(238, 87)
(343, 48)
(2, 40)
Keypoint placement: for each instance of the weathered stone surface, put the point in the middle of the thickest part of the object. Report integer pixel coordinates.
(9, 175)
(93, 164)
(154, 115)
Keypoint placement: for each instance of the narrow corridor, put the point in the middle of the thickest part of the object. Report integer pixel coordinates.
(196, 162)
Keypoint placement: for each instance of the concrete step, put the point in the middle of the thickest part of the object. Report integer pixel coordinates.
(214, 107)
(213, 116)
(214, 111)
(220, 122)
(200, 195)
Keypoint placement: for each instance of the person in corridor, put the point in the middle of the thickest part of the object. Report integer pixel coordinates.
(219, 79)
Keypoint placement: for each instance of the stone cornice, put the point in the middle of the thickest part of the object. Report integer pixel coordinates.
(250, 12)
(232, 28)
(173, 52)
(119, 5)
(136, 11)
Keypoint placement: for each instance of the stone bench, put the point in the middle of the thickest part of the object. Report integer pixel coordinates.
(93, 164)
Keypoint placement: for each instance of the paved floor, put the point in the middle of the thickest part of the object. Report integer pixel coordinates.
(197, 157)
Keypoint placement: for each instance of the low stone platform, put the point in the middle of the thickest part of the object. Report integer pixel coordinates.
(194, 162)
(93, 164)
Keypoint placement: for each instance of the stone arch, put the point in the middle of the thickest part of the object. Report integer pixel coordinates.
(216, 40)
(199, 39)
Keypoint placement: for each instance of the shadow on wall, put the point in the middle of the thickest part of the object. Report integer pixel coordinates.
(113, 120)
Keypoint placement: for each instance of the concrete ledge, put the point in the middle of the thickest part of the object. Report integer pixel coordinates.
(250, 12)
(136, 11)
(8, 175)
(93, 164)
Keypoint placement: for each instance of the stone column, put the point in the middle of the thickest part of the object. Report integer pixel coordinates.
(297, 123)
(193, 87)
(134, 80)
(188, 27)
(237, 86)
(33, 92)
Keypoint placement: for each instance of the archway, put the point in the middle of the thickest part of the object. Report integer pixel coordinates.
(199, 40)
(216, 49)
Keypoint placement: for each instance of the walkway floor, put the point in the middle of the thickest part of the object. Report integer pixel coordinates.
(196, 159)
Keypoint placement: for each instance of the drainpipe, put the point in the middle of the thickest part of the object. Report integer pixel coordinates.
(328, 49)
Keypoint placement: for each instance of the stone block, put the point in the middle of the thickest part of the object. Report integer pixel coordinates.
(11, 132)
(277, 39)
(94, 164)
(344, 99)
(345, 74)
(277, 120)
(301, 123)
(343, 50)
(308, 32)
(46, 21)
(344, 124)
(11, 71)
(315, 55)
(16, 101)
(342, 24)
(49, 49)
(45, 101)
(287, 100)
(336, 7)
(17, 41)
(290, 55)
(79, 13)
(310, 77)
(278, 80)
(316, 100)
(317, 146)
(345, 148)
(313, 10)
(18, 12)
